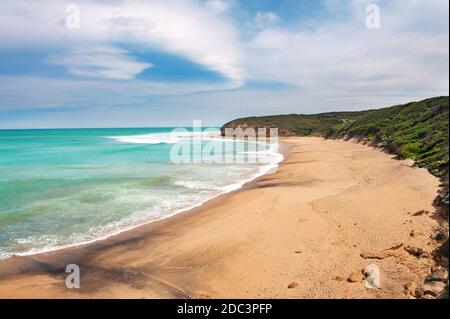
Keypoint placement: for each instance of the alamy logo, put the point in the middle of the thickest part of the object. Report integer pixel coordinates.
(232, 146)
(73, 280)
(72, 16)
(373, 19)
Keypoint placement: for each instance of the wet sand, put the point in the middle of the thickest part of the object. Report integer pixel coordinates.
(305, 227)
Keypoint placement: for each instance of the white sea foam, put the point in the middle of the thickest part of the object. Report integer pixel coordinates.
(195, 184)
(164, 138)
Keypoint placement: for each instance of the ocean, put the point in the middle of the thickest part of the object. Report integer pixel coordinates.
(67, 187)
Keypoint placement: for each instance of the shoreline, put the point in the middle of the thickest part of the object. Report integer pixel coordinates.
(282, 151)
(25, 258)
(142, 251)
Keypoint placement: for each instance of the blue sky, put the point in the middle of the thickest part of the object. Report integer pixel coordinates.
(166, 63)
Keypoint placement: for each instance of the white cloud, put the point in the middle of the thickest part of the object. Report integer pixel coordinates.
(271, 39)
(217, 6)
(333, 63)
(188, 28)
(407, 55)
(102, 62)
(47, 93)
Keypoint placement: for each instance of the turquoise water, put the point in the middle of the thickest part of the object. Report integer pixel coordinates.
(66, 187)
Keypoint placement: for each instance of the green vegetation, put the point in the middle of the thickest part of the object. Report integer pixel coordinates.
(298, 124)
(418, 130)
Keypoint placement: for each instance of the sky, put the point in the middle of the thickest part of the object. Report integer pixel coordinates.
(159, 63)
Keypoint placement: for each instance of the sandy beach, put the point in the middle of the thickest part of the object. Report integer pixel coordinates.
(332, 208)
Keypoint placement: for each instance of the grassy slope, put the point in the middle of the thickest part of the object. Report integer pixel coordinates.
(298, 124)
(417, 130)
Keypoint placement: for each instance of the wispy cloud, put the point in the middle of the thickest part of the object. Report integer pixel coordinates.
(195, 30)
(101, 62)
(217, 6)
(327, 58)
(337, 56)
